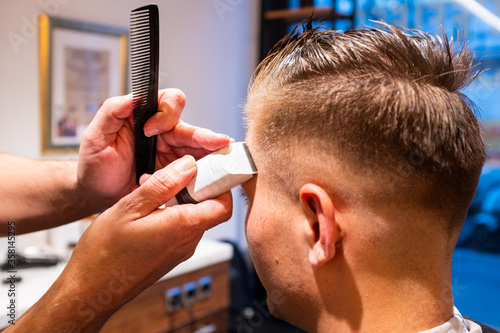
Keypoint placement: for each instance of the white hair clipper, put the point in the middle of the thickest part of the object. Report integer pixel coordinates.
(216, 174)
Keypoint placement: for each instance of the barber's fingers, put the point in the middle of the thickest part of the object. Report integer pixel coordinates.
(185, 134)
(171, 102)
(112, 114)
(192, 140)
(116, 110)
(209, 213)
(194, 219)
(112, 121)
(159, 188)
(144, 178)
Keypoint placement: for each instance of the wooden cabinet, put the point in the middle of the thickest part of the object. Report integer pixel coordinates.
(152, 311)
(148, 312)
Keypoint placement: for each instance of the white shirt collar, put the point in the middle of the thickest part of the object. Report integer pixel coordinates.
(456, 324)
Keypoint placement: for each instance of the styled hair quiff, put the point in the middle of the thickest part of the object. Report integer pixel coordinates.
(384, 102)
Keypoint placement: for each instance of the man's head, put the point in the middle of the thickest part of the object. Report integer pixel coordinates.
(365, 149)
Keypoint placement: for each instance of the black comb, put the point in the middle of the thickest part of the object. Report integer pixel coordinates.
(144, 49)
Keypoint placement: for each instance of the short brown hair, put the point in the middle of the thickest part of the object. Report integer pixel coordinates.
(380, 100)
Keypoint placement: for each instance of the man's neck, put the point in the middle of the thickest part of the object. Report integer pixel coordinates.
(374, 304)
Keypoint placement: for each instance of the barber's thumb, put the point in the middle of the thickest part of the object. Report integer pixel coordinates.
(183, 164)
(164, 184)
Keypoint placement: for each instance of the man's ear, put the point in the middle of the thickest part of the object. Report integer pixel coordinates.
(323, 231)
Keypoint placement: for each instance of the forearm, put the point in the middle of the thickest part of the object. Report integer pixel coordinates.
(40, 194)
(125, 250)
(67, 307)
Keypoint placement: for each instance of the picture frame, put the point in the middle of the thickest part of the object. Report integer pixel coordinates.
(81, 65)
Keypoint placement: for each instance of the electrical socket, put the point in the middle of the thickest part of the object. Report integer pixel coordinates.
(173, 299)
(189, 294)
(204, 287)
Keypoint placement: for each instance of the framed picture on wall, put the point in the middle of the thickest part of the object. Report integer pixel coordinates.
(81, 65)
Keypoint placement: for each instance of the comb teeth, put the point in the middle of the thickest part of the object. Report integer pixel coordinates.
(144, 56)
(144, 53)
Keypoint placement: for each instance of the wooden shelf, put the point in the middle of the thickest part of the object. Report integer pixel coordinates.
(303, 13)
(277, 19)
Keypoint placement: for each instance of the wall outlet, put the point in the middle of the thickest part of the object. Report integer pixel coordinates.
(204, 287)
(189, 294)
(173, 299)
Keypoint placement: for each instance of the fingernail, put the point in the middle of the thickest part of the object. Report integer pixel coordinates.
(151, 132)
(184, 164)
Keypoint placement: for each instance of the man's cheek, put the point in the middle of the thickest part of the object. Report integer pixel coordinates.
(252, 238)
(256, 230)
(258, 225)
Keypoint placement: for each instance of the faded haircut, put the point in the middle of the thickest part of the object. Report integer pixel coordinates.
(385, 102)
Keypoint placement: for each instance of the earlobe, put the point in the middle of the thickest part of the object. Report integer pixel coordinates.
(322, 226)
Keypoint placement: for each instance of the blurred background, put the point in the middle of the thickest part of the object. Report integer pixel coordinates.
(209, 49)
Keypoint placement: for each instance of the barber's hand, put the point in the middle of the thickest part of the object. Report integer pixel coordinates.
(126, 249)
(106, 169)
